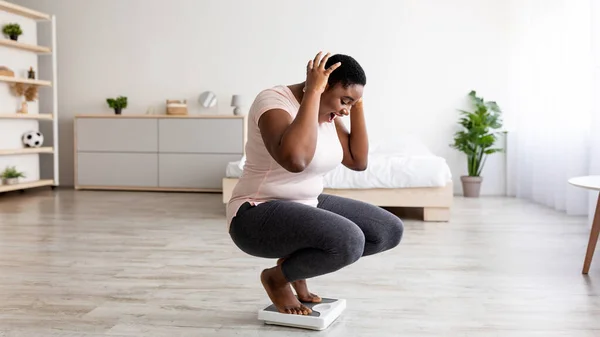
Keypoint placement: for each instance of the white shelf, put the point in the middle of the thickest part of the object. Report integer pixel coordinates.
(23, 186)
(22, 11)
(25, 81)
(25, 46)
(27, 116)
(26, 151)
(45, 44)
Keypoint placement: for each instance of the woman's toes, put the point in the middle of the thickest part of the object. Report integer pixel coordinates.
(306, 311)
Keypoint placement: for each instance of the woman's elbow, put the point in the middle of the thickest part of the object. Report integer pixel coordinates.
(294, 164)
(359, 165)
(295, 167)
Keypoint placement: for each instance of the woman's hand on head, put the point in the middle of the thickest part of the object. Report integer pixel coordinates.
(316, 74)
(357, 105)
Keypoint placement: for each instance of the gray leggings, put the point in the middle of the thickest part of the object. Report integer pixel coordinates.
(315, 241)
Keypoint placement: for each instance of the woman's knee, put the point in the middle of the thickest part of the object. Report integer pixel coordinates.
(396, 231)
(387, 236)
(351, 246)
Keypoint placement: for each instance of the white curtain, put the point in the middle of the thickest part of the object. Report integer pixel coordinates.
(551, 112)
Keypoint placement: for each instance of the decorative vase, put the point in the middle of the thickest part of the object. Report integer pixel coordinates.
(14, 37)
(471, 186)
(24, 108)
(238, 111)
(117, 111)
(11, 181)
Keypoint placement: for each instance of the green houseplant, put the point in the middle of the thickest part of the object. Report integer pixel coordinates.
(12, 30)
(11, 176)
(117, 104)
(476, 139)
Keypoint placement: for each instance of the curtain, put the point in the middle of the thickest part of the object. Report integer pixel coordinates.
(552, 116)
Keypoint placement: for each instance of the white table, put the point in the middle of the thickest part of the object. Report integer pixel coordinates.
(591, 183)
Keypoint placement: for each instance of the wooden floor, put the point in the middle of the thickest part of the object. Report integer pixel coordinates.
(161, 264)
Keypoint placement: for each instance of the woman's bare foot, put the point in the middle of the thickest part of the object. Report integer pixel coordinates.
(303, 294)
(302, 290)
(280, 292)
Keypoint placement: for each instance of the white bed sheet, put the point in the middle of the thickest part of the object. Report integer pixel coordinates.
(385, 170)
(234, 169)
(399, 162)
(392, 171)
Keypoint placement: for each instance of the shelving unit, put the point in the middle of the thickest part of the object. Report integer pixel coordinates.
(46, 149)
(27, 116)
(22, 11)
(47, 98)
(25, 46)
(40, 83)
(24, 186)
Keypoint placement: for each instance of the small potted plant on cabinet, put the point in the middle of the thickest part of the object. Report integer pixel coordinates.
(476, 140)
(11, 176)
(117, 104)
(12, 30)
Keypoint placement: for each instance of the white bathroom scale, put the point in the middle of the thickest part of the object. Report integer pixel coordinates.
(323, 314)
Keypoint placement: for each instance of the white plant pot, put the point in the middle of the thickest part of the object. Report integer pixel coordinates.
(11, 181)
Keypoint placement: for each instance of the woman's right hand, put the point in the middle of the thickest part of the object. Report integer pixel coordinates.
(317, 75)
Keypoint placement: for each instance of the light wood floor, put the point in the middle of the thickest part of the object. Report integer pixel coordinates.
(160, 264)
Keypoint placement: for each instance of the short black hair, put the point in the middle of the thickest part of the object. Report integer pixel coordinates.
(349, 73)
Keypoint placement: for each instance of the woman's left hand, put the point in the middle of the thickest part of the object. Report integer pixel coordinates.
(357, 105)
(356, 142)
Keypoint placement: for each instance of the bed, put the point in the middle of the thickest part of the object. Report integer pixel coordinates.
(400, 174)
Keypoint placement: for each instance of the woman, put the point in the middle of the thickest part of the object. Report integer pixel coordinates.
(278, 210)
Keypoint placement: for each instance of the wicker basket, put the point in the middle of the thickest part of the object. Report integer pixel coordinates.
(176, 107)
(4, 71)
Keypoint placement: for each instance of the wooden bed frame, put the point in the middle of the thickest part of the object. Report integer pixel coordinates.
(435, 201)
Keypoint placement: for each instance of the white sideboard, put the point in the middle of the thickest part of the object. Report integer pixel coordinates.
(156, 152)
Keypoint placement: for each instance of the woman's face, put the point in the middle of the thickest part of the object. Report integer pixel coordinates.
(337, 101)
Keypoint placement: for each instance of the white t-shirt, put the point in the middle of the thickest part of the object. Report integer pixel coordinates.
(263, 179)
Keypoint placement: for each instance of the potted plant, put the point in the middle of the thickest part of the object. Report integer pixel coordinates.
(11, 176)
(117, 104)
(476, 140)
(12, 30)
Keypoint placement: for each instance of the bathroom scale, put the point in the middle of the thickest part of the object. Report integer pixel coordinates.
(323, 314)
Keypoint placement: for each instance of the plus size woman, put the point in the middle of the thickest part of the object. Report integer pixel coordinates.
(278, 208)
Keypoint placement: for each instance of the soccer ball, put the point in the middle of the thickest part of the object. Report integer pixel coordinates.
(33, 139)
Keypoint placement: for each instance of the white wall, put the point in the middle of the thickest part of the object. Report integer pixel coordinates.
(12, 130)
(421, 57)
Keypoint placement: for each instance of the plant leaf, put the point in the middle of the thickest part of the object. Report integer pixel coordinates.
(476, 139)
